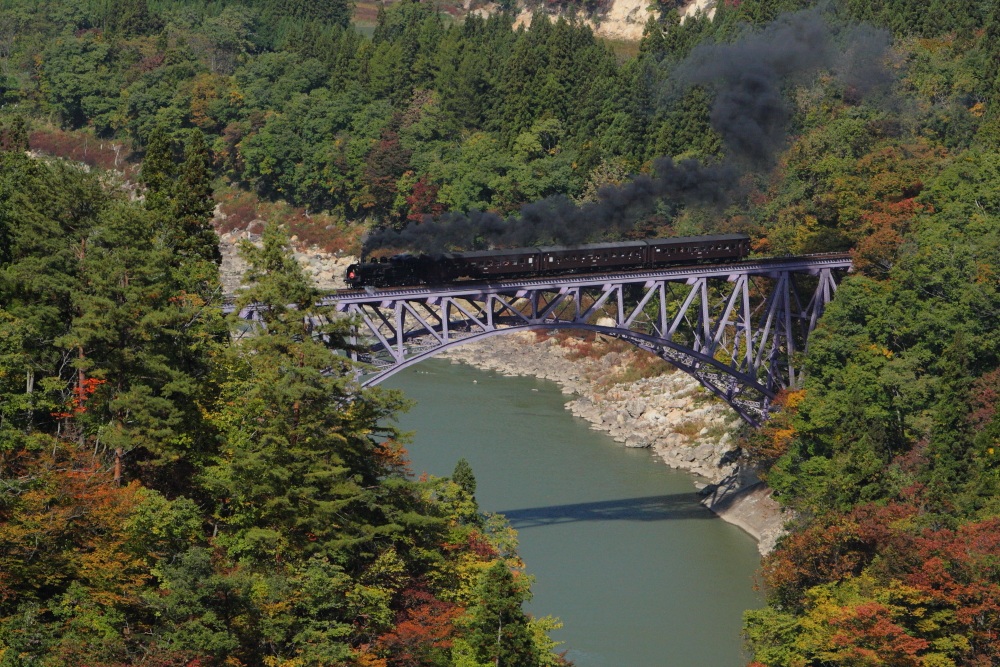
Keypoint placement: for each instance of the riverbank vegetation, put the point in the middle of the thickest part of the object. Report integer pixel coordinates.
(172, 497)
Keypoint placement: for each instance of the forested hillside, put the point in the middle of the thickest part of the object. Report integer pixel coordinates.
(173, 497)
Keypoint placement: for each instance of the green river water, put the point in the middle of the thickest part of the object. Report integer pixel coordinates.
(639, 573)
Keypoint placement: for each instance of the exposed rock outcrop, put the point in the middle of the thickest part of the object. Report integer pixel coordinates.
(326, 270)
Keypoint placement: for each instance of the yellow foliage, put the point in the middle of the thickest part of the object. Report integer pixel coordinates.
(883, 351)
(793, 398)
(367, 659)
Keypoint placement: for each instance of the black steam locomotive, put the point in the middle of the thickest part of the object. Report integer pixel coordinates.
(406, 269)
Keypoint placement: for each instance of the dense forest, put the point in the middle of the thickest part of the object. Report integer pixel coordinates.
(174, 494)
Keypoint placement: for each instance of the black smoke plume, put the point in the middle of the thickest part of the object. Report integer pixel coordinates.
(750, 113)
(558, 220)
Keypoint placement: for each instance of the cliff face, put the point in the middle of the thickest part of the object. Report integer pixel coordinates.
(625, 19)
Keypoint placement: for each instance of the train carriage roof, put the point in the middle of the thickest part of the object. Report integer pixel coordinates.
(712, 238)
(618, 245)
(499, 252)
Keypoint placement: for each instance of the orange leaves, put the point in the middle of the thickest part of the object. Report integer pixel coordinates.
(885, 225)
(867, 634)
(392, 456)
(878, 589)
(67, 525)
(772, 440)
(77, 404)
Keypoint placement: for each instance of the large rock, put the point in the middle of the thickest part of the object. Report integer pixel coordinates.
(636, 442)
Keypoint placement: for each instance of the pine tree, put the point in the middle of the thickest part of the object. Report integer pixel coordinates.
(464, 477)
(158, 170)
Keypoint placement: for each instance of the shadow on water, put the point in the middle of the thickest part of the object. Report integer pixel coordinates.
(651, 508)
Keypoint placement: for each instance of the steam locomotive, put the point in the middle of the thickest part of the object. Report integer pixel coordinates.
(543, 261)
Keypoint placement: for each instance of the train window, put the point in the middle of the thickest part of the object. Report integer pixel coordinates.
(531, 260)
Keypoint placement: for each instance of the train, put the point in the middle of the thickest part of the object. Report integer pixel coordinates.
(543, 261)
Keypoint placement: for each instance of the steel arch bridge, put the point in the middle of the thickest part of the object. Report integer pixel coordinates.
(736, 328)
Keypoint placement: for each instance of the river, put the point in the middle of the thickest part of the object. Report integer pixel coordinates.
(640, 574)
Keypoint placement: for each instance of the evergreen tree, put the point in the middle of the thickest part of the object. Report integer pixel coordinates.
(464, 477)
(193, 204)
(499, 630)
(158, 170)
(14, 134)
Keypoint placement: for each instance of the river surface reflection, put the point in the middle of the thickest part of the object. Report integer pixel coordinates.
(639, 573)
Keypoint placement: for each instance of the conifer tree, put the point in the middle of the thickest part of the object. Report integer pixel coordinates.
(158, 169)
(193, 204)
(499, 630)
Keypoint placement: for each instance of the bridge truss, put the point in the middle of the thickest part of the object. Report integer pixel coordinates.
(736, 328)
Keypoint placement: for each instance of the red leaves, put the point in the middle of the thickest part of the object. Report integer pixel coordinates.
(424, 626)
(480, 545)
(422, 200)
(835, 547)
(985, 399)
(77, 403)
(870, 636)
(952, 572)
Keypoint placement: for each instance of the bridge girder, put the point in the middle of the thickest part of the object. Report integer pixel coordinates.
(738, 329)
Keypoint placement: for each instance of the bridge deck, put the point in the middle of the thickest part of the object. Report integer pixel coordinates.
(774, 265)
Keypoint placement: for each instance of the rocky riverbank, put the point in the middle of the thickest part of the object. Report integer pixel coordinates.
(670, 414)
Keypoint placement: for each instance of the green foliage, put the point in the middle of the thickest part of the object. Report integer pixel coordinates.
(890, 454)
(172, 494)
(464, 477)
